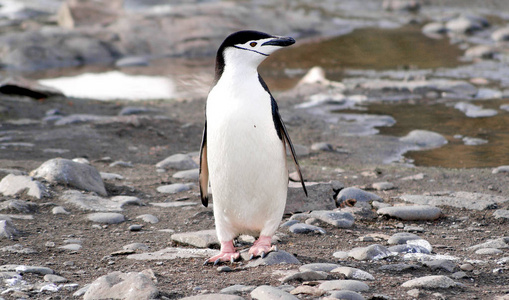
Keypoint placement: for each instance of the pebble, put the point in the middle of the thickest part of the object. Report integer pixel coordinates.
(301, 228)
(134, 110)
(238, 289)
(409, 249)
(464, 24)
(415, 177)
(500, 243)
(19, 205)
(224, 269)
(341, 255)
(68, 172)
(357, 194)
(106, 218)
(200, 239)
(424, 139)
(441, 264)
(318, 267)
(501, 34)
(307, 290)
(481, 51)
(111, 176)
(306, 276)
(470, 141)
(7, 230)
(350, 285)
(335, 218)
(118, 285)
(501, 169)
(412, 213)
(488, 251)
(136, 246)
(192, 174)
(59, 210)
(174, 188)
(402, 238)
(122, 164)
(410, 228)
(55, 278)
(383, 186)
(17, 248)
(434, 27)
(12, 185)
(501, 214)
(322, 147)
(373, 252)
(90, 202)
(279, 257)
(475, 111)
(266, 292)
(475, 201)
(353, 273)
(148, 218)
(34, 269)
(345, 295)
(431, 282)
(71, 247)
(177, 162)
(467, 267)
(135, 227)
(127, 200)
(398, 268)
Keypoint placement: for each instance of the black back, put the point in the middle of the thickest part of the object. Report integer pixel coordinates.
(239, 37)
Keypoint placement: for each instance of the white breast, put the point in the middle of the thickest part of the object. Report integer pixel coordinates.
(246, 159)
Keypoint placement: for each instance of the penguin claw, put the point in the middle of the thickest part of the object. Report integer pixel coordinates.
(217, 261)
(262, 255)
(251, 256)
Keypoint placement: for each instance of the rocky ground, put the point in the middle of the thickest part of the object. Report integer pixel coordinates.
(99, 199)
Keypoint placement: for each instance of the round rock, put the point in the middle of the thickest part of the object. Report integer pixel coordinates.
(412, 213)
(106, 218)
(350, 285)
(402, 238)
(300, 228)
(266, 292)
(430, 282)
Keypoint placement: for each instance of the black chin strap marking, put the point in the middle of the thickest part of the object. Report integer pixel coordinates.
(251, 50)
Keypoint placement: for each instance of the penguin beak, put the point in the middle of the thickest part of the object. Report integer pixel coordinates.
(281, 41)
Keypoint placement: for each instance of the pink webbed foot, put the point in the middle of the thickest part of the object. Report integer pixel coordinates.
(261, 247)
(227, 254)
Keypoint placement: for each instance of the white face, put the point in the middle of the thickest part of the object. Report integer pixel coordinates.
(257, 46)
(251, 53)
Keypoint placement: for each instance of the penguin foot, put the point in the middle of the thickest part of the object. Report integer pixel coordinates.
(227, 254)
(261, 247)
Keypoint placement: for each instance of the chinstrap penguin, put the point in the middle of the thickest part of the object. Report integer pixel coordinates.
(243, 150)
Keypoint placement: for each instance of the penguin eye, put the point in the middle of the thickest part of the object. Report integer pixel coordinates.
(252, 44)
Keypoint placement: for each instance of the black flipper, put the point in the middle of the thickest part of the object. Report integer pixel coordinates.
(204, 169)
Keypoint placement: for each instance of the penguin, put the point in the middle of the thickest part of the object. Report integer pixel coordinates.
(243, 149)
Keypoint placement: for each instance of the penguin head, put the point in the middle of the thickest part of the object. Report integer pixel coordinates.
(248, 48)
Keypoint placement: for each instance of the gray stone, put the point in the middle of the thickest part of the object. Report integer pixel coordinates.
(373, 252)
(106, 218)
(353, 273)
(322, 147)
(16, 184)
(320, 197)
(501, 214)
(475, 111)
(488, 251)
(300, 228)
(71, 247)
(501, 169)
(501, 34)
(424, 139)
(481, 51)
(64, 171)
(289, 223)
(470, 141)
(79, 118)
(148, 218)
(177, 162)
(213, 297)
(238, 289)
(174, 188)
(433, 28)
(135, 227)
(464, 24)
(118, 285)
(415, 177)
(55, 278)
(409, 249)
(19, 205)
(383, 186)
(192, 174)
(279, 257)
(350, 285)
(357, 194)
(174, 253)
(318, 267)
(90, 202)
(431, 282)
(174, 204)
(335, 218)
(346, 295)
(34, 269)
(441, 264)
(412, 213)
(122, 164)
(126, 200)
(17, 248)
(266, 292)
(134, 110)
(476, 201)
(7, 230)
(111, 176)
(398, 267)
(459, 275)
(135, 246)
(200, 239)
(59, 210)
(306, 276)
(402, 238)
